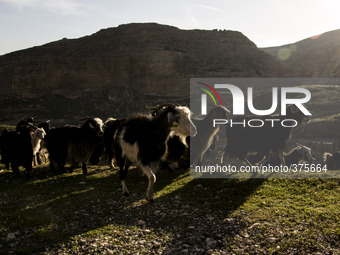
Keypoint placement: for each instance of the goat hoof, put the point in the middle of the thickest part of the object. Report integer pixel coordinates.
(126, 194)
(150, 200)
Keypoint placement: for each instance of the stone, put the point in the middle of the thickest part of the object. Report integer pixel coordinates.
(141, 223)
(10, 237)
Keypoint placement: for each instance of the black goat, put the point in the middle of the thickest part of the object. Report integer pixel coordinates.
(141, 140)
(16, 149)
(73, 145)
(332, 160)
(264, 140)
(26, 124)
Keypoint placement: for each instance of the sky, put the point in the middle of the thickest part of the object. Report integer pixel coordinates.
(28, 23)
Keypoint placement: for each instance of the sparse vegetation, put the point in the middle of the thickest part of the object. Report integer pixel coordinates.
(74, 214)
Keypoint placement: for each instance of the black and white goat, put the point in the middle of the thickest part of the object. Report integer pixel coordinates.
(206, 133)
(177, 148)
(38, 135)
(332, 160)
(73, 145)
(141, 140)
(264, 140)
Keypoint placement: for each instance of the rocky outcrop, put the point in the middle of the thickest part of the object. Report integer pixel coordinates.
(149, 59)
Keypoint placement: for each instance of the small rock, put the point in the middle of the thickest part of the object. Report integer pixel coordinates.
(271, 239)
(108, 251)
(141, 223)
(199, 186)
(82, 183)
(10, 237)
(157, 244)
(185, 251)
(209, 241)
(142, 242)
(191, 227)
(254, 225)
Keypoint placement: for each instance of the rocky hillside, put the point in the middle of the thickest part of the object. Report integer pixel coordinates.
(317, 56)
(147, 58)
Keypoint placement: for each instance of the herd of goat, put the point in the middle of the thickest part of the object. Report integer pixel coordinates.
(163, 136)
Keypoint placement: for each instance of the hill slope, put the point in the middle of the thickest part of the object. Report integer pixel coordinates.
(317, 56)
(148, 58)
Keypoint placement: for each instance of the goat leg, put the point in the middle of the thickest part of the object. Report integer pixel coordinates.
(246, 162)
(264, 159)
(38, 159)
(123, 170)
(15, 168)
(84, 168)
(282, 158)
(152, 179)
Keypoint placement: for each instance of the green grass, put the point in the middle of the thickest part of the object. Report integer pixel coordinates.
(72, 213)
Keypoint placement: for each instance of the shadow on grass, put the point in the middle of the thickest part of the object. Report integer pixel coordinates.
(51, 209)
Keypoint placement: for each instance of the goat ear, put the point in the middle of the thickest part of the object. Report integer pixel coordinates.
(299, 145)
(91, 126)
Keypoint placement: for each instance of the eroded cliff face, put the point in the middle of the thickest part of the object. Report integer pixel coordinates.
(146, 58)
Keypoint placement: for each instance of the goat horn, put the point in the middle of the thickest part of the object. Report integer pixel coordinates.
(31, 125)
(299, 144)
(303, 146)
